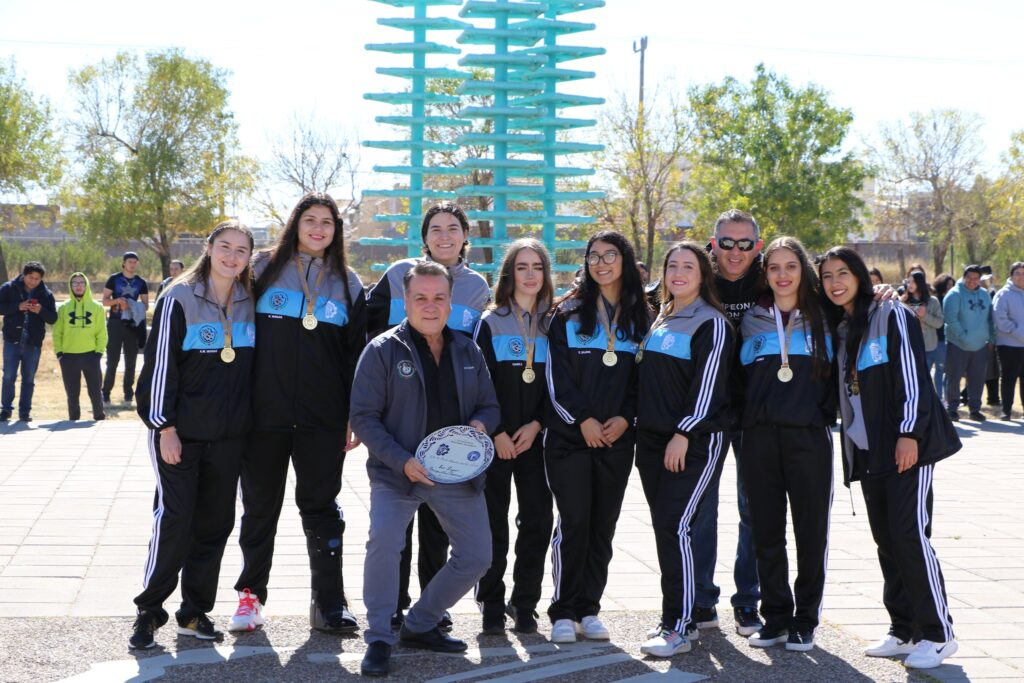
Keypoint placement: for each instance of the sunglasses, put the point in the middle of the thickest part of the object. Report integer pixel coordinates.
(728, 243)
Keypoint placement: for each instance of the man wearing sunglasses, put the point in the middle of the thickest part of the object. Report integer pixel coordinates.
(736, 253)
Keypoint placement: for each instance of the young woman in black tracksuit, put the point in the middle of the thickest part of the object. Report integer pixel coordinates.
(588, 449)
(193, 395)
(684, 364)
(894, 431)
(790, 407)
(513, 338)
(445, 234)
(310, 330)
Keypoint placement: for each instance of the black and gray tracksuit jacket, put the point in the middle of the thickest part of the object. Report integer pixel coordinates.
(184, 382)
(303, 377)
(684, 373)
(897, 396)
(386, 303)
(389, 404)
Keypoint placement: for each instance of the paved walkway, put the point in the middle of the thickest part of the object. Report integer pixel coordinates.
(75, 522)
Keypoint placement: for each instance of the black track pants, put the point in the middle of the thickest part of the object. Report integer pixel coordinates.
(674, 499)
(588, 485)
(193, 515)
(534, 520)
(900, 514)
(318, 459)
(793, 463)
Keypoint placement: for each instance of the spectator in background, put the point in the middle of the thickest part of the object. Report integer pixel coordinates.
(26, 305)
(928, 310)
(940, 286)
(876, 277)
(969, 331)
(79, 337)
(992, 368)
(176, 267)
(645, 272)
(127, 295)
(1008, 312)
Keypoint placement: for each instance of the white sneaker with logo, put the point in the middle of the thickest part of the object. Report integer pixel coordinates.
(890, 646)
(592, 629)
(563, 631)
(666, 644)
(249, 615)
(928, 655)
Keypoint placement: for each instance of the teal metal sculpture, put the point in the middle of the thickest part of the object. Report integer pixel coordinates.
(525, 69)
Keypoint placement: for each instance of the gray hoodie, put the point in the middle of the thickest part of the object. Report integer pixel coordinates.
(389, 402)
(1008, 312)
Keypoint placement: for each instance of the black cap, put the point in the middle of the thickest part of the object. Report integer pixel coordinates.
(973, 268)
(129, 254)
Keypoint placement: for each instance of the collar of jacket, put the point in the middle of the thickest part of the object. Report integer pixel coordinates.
(238, 292)
(404, 335)
(691, 310)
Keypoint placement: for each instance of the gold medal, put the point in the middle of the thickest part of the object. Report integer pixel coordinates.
(785, 374)
(529, 375)
(610, 358)
(309, 322)
(639, 355)
(529, 338)
(227, 354)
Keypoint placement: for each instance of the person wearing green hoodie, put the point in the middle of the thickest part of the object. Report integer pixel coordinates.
(79, 337)
(967, 309)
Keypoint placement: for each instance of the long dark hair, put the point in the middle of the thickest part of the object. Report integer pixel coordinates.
(634, 312)
(453, 209)
(808, 299)
(942, 283)
(283, 253)
(505, 289)
(707, 275)
(857, 323)
(921, 285)
(200, 270)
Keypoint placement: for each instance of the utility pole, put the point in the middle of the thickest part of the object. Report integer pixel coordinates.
(642, 49)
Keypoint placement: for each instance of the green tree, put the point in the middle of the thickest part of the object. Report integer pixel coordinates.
(157, 149)
(776, 150)
(924, 167)
(29, 149)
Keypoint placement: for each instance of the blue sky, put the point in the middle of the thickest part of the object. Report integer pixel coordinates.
(881, 59)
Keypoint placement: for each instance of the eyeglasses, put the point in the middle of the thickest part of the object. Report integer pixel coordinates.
(728, 243)
(593, 258)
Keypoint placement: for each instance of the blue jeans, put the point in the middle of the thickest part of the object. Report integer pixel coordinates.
(705, 542)
(938, 356)
(27, 357)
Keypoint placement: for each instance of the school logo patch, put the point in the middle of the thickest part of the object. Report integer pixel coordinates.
(759, 343)
(330, 310)
(207, 334)
(278, 300)
(473, 456)
(443, 449)
(668, 341)
(875, 349)
(515, 347)
(583, 338)
(467, 318)
(406, 369)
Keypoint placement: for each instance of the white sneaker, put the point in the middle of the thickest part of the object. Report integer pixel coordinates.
(928, 655)
(563, 631)
(655, 632)
(890, 646)
(592, 629)
(666, 644)
(249, 615)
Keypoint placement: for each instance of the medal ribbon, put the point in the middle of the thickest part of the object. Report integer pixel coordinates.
(602, 315)
(225, 319)
(310, 298)
(784, 334)
(531, 340)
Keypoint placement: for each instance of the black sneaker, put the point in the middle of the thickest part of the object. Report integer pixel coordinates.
(747, 621)
(397, 619)
(143, 629)
(1006, 417)
(446, 622)
(768, 635)
(494, 625)
(954, 415)
(800, 639)
(705, 617)
(106, 398)
(977, 415)
(434, 640)
(25, 418)
(5, 416)
(198, 626)
(525, 621)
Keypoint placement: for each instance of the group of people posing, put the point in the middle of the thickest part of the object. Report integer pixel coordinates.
(258, 360)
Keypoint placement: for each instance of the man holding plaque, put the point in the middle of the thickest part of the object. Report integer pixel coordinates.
(413, 381)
